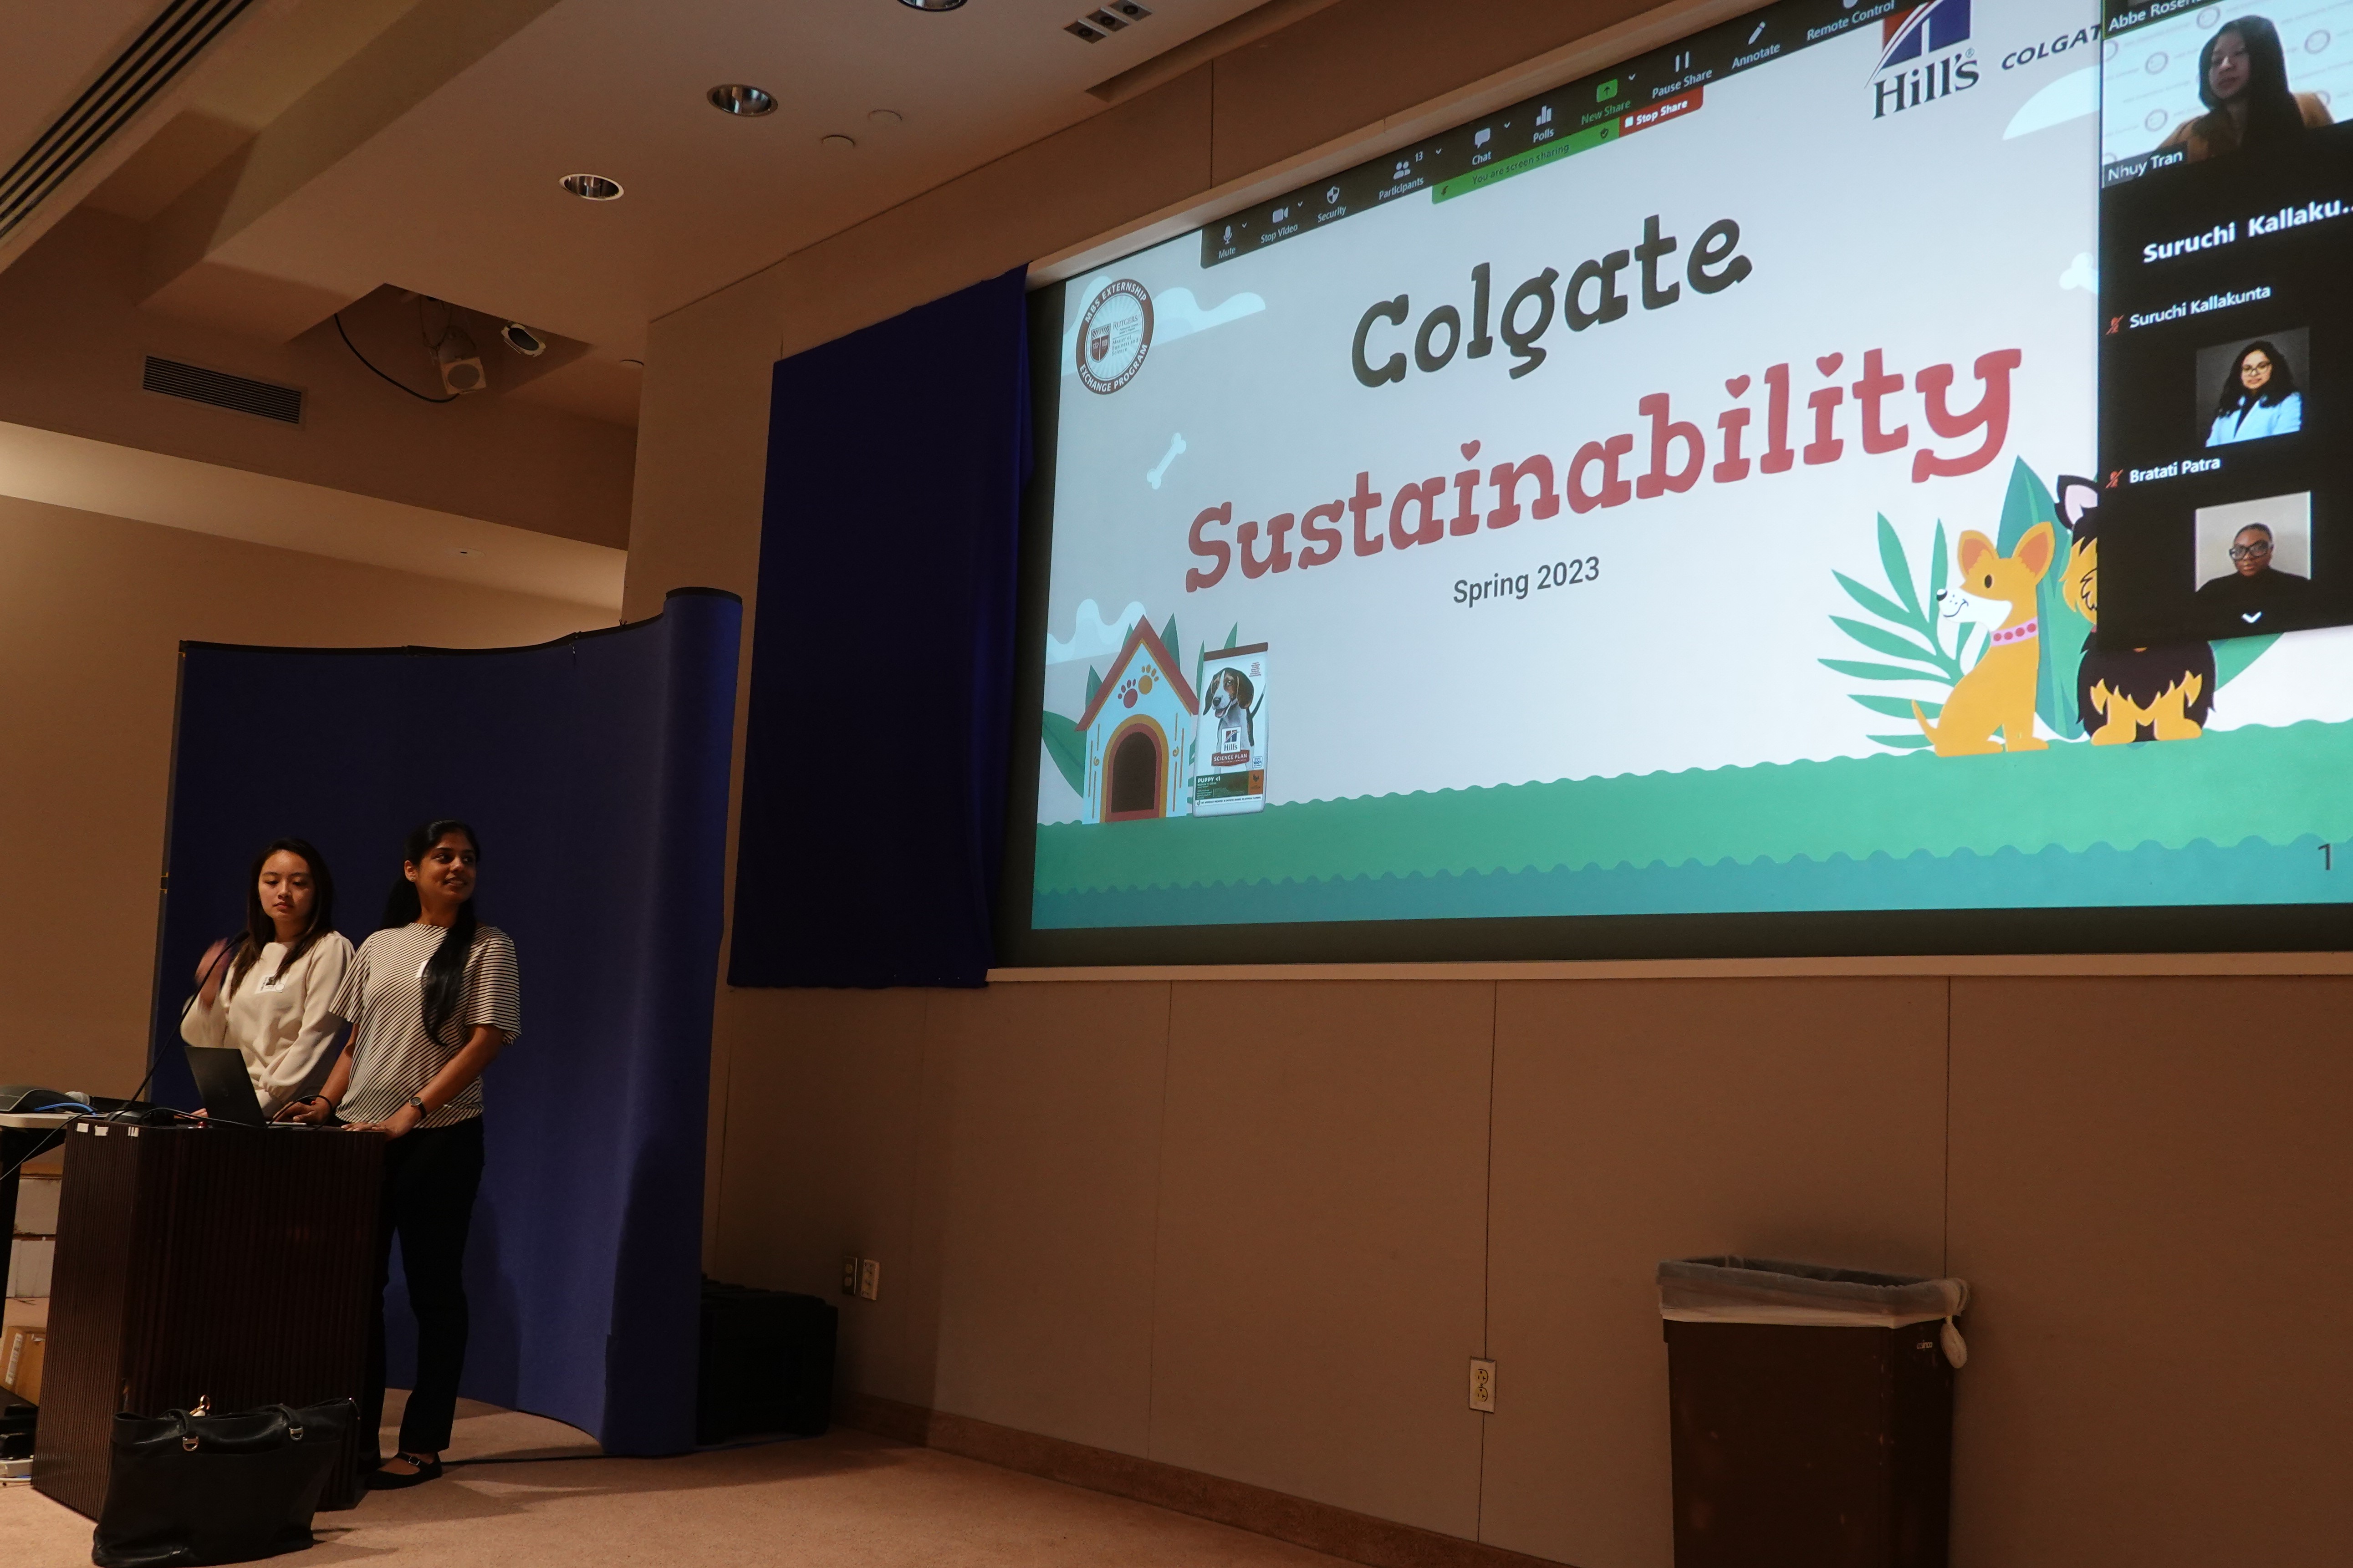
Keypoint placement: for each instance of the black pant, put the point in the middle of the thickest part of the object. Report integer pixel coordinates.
(431, 1177)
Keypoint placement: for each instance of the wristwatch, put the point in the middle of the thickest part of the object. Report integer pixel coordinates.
(418, 1101)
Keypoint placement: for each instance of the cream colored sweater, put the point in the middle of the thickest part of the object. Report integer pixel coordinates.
(280, 1024)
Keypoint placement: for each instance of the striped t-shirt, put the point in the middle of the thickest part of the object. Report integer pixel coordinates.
(382, 998)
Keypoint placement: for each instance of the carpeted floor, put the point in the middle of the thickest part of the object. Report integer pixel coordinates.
(841, 1499)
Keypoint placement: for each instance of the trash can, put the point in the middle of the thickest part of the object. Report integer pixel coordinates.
(764, 1363)
(1811, 1412)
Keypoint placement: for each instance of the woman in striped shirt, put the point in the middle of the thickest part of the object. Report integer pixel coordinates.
(432, 997)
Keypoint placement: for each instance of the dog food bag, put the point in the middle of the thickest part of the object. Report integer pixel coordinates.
(1229, 751)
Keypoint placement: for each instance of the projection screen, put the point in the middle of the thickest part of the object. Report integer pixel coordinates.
(1663, 516)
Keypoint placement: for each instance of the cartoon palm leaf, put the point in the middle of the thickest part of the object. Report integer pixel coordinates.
(1893, 707)
(1899, 571)
(1068, 747)
(1234, 636)
(1879, 671)
(1887, 642)
(1094, 684)
(1914, 631)
(1879, 603)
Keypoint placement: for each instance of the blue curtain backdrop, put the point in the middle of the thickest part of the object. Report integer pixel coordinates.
(595, 770)
(875, 762)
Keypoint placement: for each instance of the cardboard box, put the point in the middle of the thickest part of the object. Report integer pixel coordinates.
(21, 1350)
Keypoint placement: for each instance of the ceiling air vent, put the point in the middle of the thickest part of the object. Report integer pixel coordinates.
(179, 32)
(1096, 26)
(222, 390)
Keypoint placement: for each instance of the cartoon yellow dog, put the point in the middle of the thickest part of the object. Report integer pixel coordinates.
(1998, 692)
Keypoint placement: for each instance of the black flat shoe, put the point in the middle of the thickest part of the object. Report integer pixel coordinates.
(383, 1481)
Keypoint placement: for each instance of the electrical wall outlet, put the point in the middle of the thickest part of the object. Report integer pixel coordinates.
(850, 1274)
(1482, 1385)
(870, 1279)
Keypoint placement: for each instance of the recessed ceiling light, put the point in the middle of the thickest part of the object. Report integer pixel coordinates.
(737, 98)
(885, 116)
(931, 4)
(835, 143)
(593, 187)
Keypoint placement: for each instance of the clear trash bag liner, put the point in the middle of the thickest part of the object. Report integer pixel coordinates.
(1767, 1290)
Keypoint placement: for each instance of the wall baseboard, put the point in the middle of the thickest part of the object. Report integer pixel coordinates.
(1319, 1527)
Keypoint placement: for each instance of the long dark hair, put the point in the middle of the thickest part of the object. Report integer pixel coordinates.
(260, 931)
(2276, 391)
(445, 972)
(2272, 116)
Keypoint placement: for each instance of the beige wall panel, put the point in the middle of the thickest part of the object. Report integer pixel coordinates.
(2149, 1197)
(702, 435)
(824, 1123)
(1640, 1120)
(1133, 158)
(1342, 69)
(93, 612)
(77, 343)
(1322, 1227)
(1052, 1180)
(705, 421)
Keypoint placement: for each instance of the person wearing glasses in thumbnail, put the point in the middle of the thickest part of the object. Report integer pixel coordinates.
(432, 997)
(2243, 80)
(2258, 399)
(269, 994)
(2254, 587)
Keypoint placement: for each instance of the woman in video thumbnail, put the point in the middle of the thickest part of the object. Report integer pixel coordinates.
(2243, 80)
(2258, 398)
(432, 996)
(266, 995)
(2253, 588)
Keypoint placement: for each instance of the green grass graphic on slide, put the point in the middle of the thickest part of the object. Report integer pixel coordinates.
(2224, 788)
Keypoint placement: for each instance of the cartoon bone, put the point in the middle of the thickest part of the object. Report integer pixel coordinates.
(1176, 445)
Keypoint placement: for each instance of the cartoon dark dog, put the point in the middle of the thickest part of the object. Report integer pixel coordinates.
(2124, 695)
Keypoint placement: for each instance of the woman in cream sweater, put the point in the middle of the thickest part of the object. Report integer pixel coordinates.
(266, 993)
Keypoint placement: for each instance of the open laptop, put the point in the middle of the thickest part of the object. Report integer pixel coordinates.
(227, 1087)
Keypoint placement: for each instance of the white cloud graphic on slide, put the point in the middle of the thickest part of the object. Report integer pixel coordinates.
(1091, 636)
(1175, 314)
(2072, 97)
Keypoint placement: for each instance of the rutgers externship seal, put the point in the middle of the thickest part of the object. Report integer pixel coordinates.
(1115, 335)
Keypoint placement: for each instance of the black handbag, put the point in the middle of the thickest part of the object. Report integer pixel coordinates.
(188, 1488)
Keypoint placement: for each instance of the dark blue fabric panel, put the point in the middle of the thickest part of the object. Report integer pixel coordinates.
(595, 770)
(874, 763)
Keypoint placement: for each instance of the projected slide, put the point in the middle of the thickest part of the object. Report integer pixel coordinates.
(1676, 493)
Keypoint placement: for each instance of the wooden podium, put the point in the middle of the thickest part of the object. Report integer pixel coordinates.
(234, 1263)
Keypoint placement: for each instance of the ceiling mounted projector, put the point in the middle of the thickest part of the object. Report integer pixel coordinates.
(461, 365)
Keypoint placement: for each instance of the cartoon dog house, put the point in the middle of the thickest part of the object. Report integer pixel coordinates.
(1139, 735)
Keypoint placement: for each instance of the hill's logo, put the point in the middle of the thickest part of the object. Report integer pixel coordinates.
(1923, 57)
